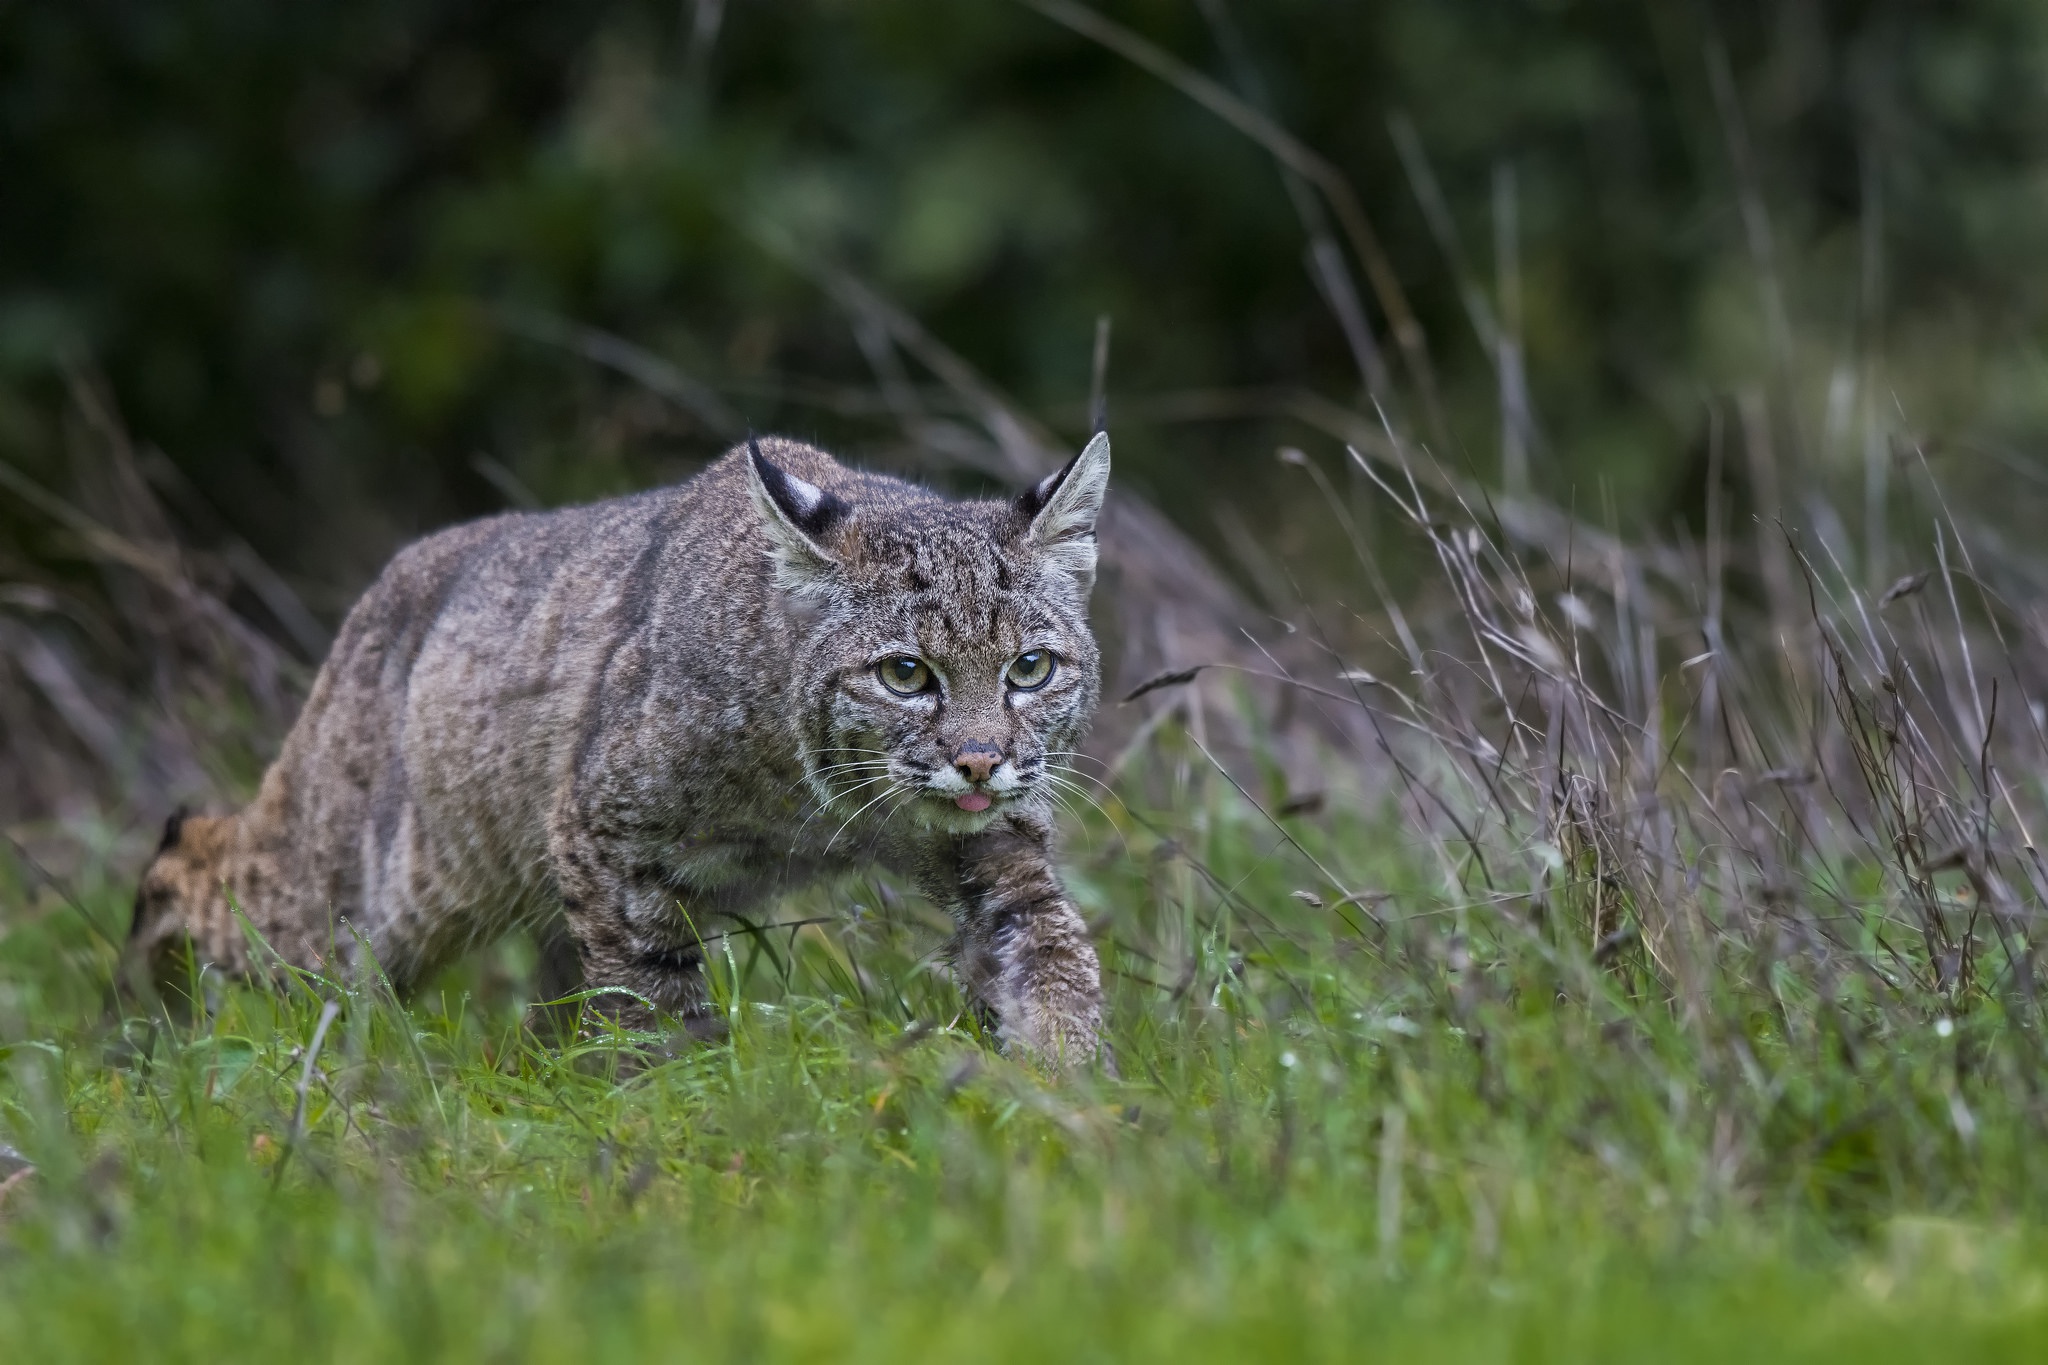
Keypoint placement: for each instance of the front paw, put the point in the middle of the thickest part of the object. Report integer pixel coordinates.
(1062, 1043)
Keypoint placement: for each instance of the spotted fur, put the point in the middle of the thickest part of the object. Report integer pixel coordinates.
(648, 715)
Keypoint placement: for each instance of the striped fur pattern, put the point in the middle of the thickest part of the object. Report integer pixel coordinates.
(649, 715)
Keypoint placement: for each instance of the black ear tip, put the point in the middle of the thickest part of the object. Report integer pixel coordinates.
(1032, 500)
(771, 474)
(811, 509)
(174, 828)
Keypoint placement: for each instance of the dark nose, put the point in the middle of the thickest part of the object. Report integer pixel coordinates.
(975, 759)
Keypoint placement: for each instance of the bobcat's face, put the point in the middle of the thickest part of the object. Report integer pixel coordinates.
(180, 895)
(947, 714)
(947, 669)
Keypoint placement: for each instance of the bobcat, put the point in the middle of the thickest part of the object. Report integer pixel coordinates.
(646, 714)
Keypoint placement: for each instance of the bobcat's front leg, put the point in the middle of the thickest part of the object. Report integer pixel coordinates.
(1024, 953)
(629, 926)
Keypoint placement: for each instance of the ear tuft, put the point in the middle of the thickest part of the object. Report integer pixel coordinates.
(798, 515)
(1062, 509)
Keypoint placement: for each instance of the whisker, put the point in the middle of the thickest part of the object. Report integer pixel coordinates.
(835, 790)
(833, 794)
(831, 797)
(1066, 780)
(852, 775)
(1055, 777)
(848, 775)
(864, 765)
(893, 788)
(1068, 774)
(1054, 796)
(1071, 771)
(1060, 783)
(909, 792)
(839, 787)
(1114, 828)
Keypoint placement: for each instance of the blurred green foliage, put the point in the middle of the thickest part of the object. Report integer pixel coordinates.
(290, 235)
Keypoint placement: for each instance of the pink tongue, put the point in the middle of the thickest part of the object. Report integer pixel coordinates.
(971, 801)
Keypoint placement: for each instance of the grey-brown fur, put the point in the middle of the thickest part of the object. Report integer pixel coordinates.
(636, 713)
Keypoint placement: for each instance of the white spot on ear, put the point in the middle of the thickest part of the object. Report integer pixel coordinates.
(804, 496)
(801, 563)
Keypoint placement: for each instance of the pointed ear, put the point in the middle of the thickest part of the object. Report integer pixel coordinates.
(1061, 510)
(174, 829)
(797, 515)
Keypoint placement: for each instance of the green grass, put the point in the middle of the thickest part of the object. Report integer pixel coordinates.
(1432, 1134)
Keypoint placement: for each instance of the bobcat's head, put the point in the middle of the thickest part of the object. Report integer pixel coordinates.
(945, 663)
(180, 904)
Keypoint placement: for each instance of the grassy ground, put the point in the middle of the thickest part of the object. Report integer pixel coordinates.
(1400, 1129)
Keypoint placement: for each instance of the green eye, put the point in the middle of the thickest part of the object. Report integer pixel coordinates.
(1031, 670)
(904, 675)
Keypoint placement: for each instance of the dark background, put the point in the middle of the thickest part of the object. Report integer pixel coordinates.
(327, 263)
